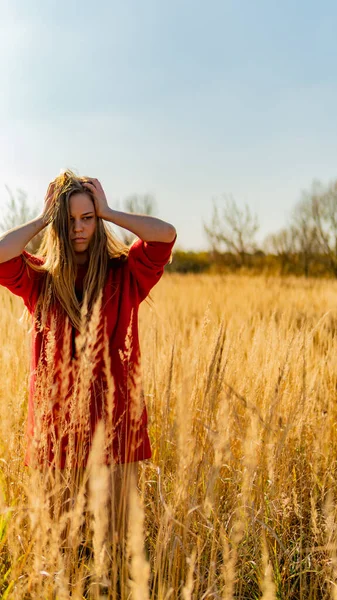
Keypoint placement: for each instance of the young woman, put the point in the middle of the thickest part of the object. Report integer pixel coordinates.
(83, 291)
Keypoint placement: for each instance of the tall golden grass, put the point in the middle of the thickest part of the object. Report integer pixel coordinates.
(239, 498)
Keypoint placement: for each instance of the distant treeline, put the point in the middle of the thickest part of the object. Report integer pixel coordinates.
(306, 246)
(257, 263)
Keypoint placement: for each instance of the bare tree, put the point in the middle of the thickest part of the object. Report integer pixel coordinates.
(282, 244)
(18, 212)
(138, 204)
(234, 228)
(324, 214)
(141, 204)
(305, 232)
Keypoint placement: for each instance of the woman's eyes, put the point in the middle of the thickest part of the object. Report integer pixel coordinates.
(84, 218)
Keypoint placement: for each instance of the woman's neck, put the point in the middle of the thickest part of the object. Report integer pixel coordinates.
(81, 258)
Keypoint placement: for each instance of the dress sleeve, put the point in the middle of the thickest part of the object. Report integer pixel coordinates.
(146, 263)
(18, 277)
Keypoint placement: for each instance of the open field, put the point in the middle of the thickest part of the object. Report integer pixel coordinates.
(239, 498)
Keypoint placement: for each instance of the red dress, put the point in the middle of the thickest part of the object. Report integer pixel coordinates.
(66, 401)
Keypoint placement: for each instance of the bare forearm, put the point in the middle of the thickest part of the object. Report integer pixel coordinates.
(148, 229)
(14, 241)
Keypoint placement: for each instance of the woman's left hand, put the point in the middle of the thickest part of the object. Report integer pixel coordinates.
(101, 203)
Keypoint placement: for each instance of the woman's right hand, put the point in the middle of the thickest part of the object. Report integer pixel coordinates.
(48, 208)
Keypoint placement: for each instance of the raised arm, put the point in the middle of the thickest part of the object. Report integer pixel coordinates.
(14, 241)
(148, 229)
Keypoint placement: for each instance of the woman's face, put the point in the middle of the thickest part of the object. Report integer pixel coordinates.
(82, 221)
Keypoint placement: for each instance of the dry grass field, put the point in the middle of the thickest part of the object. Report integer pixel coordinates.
(239, 498)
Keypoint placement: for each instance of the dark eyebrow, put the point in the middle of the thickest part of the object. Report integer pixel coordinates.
(84, 214)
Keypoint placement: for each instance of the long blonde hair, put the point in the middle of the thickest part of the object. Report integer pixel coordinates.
(58, 256)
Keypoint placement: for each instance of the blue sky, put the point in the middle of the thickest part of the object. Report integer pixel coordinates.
(186, 100)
